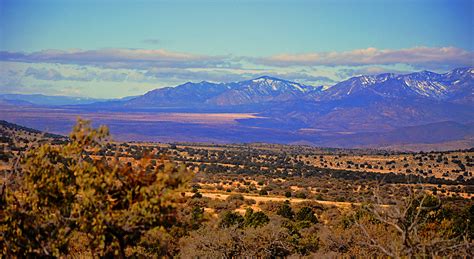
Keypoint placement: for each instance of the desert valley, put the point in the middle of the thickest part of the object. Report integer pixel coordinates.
(233, 183)
(237, 129)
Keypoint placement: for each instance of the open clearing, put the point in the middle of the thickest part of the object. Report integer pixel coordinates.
(224, 196)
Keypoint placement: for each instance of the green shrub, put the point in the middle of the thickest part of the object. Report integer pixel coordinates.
(113, 204)
(285, 210)
(255, 219)
(229, 219)
(306, 214)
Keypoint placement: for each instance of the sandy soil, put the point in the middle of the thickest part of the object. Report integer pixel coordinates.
(257, 198)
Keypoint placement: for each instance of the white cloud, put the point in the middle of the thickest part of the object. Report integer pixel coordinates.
(418, 56)
(119, 58)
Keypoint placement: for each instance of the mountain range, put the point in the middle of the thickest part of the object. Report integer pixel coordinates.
(378, 110)
(455, 86)
(257, 91)
(359, 104)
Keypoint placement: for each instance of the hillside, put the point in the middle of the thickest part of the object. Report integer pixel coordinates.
(16, 138)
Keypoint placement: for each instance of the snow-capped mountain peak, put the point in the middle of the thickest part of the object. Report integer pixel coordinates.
(276, 84)
(456, 85)
(424, 84)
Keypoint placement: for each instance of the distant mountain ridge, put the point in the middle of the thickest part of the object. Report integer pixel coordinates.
(384, 110)
(455, 86)
(261, 89)
(52, 100)
(363, 103)
(40, 99)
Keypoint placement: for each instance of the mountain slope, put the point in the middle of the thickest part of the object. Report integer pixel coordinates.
(449, 86)
(262, 89)
(379, 103)
(182, 95)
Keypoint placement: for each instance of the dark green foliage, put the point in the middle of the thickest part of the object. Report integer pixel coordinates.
(229, 219)
(306, 214)
(250, 219)
(255, 219)
(197, 216)
(301, 195)
(285, 210)
(197, 195)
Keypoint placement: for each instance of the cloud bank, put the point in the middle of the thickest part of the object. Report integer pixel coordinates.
(145, 58)
(418, 56)
(119, 58)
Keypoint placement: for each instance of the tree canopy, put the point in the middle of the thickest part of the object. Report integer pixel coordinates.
(63, 190)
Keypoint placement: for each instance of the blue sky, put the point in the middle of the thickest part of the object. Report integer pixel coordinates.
(111, 48)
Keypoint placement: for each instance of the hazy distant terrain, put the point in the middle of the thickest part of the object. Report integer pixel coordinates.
(421, 110)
